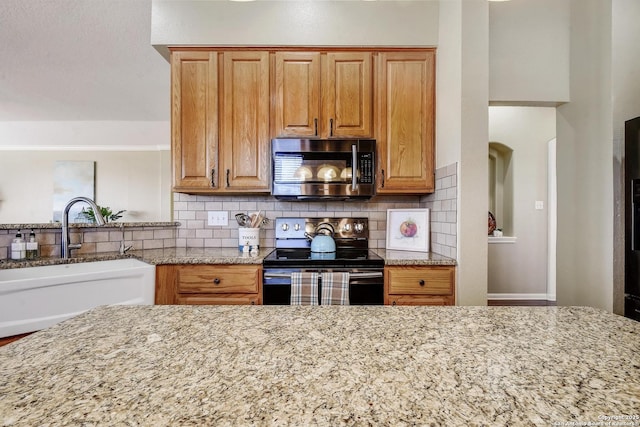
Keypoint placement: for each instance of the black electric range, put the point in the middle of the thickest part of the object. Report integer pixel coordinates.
(352, 255)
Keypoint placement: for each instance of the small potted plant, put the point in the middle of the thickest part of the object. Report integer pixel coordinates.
(106, 212)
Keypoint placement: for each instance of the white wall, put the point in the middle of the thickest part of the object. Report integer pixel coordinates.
(448, 84)
(521, 267)
(584, 156)
(137, 181)
(133, 169)
(302, 23)
(529, 51)
(116, 135)
(473, 172)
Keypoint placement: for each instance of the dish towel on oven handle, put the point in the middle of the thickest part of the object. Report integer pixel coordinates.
(304, 288)
(335, 289)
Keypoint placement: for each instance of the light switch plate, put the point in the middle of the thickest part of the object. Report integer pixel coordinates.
(539, 204)
(218, 218)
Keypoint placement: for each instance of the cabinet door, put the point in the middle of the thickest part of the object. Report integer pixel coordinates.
(194, 119)
(405, 89)
(347, 95)
(245, 147)
(297, 94)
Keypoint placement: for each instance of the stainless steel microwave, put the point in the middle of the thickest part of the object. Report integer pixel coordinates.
(323, 169)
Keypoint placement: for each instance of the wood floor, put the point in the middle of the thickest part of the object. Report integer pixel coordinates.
(7, 340)
(521, 302)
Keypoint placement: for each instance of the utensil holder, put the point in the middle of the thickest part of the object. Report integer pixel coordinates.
(248, 235)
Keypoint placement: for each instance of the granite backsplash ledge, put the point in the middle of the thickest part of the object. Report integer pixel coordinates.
(94, 239)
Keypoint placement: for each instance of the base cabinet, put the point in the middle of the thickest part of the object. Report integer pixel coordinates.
(208, 284)
(419, 285)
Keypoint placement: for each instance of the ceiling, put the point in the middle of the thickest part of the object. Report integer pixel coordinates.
(80, 60)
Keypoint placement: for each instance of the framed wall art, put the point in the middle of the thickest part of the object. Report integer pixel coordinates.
(408, 229)
(72, 179)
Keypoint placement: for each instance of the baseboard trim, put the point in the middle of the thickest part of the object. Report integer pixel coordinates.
(521, 299)
(517, 296)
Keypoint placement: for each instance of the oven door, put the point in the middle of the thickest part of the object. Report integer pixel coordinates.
(366, 286)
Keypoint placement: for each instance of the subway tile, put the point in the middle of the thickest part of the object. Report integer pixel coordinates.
(204, 234)
(186, 215)
(195, 243)
(163, 234)
(152, 244)
(195, 206)
(100, 236)
(142, 235)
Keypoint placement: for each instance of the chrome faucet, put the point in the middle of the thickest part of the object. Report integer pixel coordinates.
(123, 248)
(66, 245)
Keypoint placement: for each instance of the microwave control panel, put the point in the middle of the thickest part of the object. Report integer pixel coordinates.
(365, 165)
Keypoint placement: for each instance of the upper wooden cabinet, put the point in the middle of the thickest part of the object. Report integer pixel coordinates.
(194, 119)
(405, 118)
(244, 124)
(323, 95)
(228, 103)
(220, 121)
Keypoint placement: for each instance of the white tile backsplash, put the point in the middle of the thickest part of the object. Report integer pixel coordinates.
(196, 233)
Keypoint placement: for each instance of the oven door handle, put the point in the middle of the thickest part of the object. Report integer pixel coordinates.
(351, 275)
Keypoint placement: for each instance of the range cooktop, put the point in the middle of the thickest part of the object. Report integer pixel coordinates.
(302, 257)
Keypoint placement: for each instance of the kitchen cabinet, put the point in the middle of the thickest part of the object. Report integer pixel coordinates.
(209, 284)
(220, 121)
(419, 285)
(194, 119)
(323, 94)
(405, 121)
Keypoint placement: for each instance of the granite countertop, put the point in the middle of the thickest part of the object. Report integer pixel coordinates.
(155, 257)
(219, 256)
(57, 225)
(200, 256)
(294, 365)
(394, 257)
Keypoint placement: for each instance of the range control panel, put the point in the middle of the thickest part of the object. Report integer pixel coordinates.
(302, 228)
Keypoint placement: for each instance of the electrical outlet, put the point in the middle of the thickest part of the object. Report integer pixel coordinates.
(539, 204)
(218, 218)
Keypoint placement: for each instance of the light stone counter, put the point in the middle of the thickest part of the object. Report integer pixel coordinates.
(393, 257)
(283, 365)
(155, 257)
(200, 256)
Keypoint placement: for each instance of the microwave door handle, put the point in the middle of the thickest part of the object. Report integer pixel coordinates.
(354, 167)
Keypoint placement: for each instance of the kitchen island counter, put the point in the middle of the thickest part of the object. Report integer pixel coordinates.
(264, 365)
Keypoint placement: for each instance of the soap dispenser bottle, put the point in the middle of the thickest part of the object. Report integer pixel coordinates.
(18, 247)
(32, 246)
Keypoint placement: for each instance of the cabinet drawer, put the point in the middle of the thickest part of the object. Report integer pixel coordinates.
(219, 299)
(421, 300)
(420, 280)
(218, 279)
